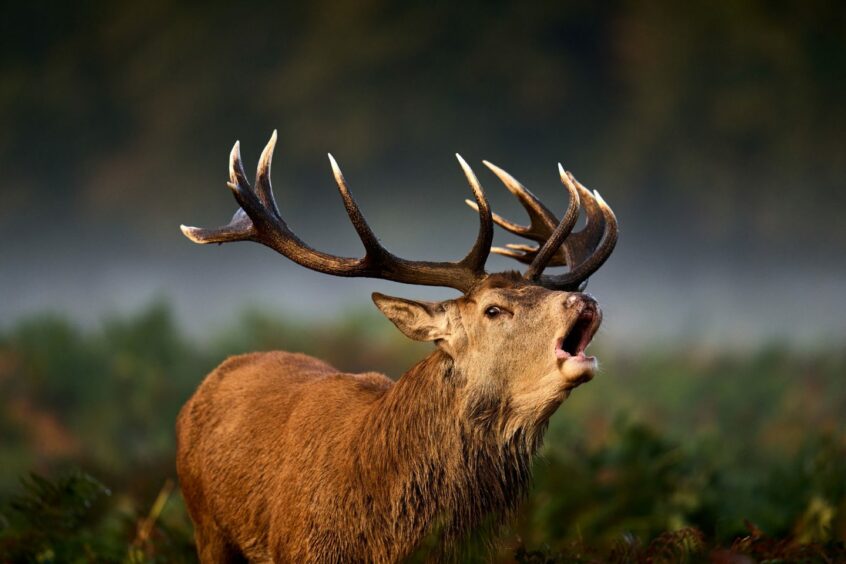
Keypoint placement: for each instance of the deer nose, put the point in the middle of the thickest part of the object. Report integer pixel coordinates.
(580, 299)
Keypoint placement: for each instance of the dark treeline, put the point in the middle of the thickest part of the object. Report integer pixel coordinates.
(726, 118)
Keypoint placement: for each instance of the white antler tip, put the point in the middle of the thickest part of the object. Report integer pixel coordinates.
(271, 144)
(496, 170)
(336, 170)
(467, 170)
(267, 153)
(234, 157)
(603, 203)
(266, 157)
(190, 232)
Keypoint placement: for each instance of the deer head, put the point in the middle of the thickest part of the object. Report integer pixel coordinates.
(512, 337)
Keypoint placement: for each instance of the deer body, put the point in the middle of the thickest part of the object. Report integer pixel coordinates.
(281, 457)
(379, 465)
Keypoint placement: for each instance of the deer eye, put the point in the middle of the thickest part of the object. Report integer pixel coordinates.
(493, 311)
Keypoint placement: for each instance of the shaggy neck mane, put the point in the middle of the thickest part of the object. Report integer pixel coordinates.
(430, 456)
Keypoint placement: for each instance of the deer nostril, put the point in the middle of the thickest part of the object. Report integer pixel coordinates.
(572, 300)
(580, 299)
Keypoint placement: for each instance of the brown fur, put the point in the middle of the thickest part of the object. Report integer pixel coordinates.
(282, 457)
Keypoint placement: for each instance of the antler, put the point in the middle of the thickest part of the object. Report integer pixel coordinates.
(258, 220)
(584, 251)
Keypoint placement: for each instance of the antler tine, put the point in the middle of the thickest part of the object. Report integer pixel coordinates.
(520, 253)
(597, 255)
(240, 227)
(237, 175)
(478, 255)
(373, 250)
(258, 219)
(264, 190)
(499, 220)
(581, 245)
(583, 251)
(542, 222)
(557, 238)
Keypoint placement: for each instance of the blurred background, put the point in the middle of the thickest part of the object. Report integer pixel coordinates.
(716, 131)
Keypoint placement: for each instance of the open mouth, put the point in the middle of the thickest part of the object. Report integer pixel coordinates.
(578, 337)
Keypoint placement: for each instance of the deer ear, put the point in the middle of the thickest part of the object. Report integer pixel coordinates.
(421, 321)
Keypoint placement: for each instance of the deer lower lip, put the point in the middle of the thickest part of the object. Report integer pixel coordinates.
(577, 339)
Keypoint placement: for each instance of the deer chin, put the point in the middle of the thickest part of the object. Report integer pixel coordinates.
(577, 370)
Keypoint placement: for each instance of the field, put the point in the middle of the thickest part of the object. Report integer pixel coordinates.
(668, 455)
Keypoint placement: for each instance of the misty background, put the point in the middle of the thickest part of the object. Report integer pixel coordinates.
(716, 131)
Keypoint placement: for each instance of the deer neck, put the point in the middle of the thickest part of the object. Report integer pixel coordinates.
(440, 458)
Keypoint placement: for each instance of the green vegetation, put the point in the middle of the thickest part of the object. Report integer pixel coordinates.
(73, 520)
(666, 456)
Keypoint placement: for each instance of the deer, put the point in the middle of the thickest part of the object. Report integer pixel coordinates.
(282, 457)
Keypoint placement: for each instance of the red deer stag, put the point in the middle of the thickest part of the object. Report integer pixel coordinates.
(284, 458)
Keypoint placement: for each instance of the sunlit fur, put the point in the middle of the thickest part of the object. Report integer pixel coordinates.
(284, 458)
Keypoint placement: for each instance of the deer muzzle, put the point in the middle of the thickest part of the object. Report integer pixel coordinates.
(586, 317)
